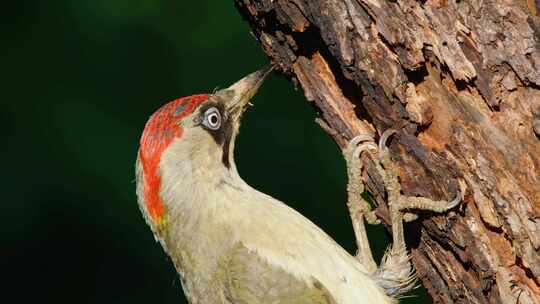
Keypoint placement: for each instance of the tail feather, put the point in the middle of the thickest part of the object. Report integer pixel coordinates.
(396, 274)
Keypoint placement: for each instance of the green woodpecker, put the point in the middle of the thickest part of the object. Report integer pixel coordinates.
(233, 244)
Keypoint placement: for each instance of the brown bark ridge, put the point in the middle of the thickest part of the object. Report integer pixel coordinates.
(460, 80)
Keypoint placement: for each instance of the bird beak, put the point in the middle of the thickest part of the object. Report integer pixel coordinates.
(243, 90)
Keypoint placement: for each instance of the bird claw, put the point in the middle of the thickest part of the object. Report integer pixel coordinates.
(395, 271)
(358, 139)
(363, 147)
(384, 137)
(359, 208)
(354, 149)
(455, 201)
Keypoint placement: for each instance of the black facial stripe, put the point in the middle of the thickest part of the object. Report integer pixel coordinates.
(226, 145)
(221, 136)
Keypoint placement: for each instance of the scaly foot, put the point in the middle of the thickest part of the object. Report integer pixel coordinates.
(395, 273)
(359, 208)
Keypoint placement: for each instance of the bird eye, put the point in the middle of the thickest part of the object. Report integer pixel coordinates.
(212, 119)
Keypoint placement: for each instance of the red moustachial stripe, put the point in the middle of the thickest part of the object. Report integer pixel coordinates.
(160, 130)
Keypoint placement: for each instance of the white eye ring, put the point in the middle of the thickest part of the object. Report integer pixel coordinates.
(212, 119)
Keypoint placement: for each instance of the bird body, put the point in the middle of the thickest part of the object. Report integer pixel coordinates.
(231, 243)
(235, 220)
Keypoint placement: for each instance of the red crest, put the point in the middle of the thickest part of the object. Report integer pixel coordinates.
(160, 130)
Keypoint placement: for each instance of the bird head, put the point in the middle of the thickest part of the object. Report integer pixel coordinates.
(190, 141)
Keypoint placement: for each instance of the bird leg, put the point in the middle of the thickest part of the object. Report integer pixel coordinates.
(395, 274)
(359, 208)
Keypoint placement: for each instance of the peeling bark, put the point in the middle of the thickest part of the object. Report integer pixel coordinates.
(460, 80)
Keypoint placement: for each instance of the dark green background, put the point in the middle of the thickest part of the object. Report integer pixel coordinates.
(79, 80)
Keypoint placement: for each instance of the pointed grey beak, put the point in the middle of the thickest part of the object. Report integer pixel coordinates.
(243, 90)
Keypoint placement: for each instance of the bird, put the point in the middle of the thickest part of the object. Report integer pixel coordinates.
(231, 243)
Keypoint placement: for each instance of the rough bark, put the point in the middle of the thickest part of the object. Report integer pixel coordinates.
(460, 80)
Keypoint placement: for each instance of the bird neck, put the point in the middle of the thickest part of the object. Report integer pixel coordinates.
(198, 202)
(193, 190)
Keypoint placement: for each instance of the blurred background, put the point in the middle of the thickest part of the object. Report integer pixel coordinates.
(79, 80)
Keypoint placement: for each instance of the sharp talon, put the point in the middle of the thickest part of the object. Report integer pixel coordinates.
(362, 148)
(455, 202)
(358, 139)
(384, 137)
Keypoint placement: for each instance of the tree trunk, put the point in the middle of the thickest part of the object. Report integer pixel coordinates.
(460, 80)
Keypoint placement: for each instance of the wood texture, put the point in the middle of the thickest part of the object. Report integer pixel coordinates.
(460, 80)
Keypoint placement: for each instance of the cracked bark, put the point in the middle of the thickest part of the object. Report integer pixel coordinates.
(460, 80)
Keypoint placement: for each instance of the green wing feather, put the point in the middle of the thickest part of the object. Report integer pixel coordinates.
(249, 279)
